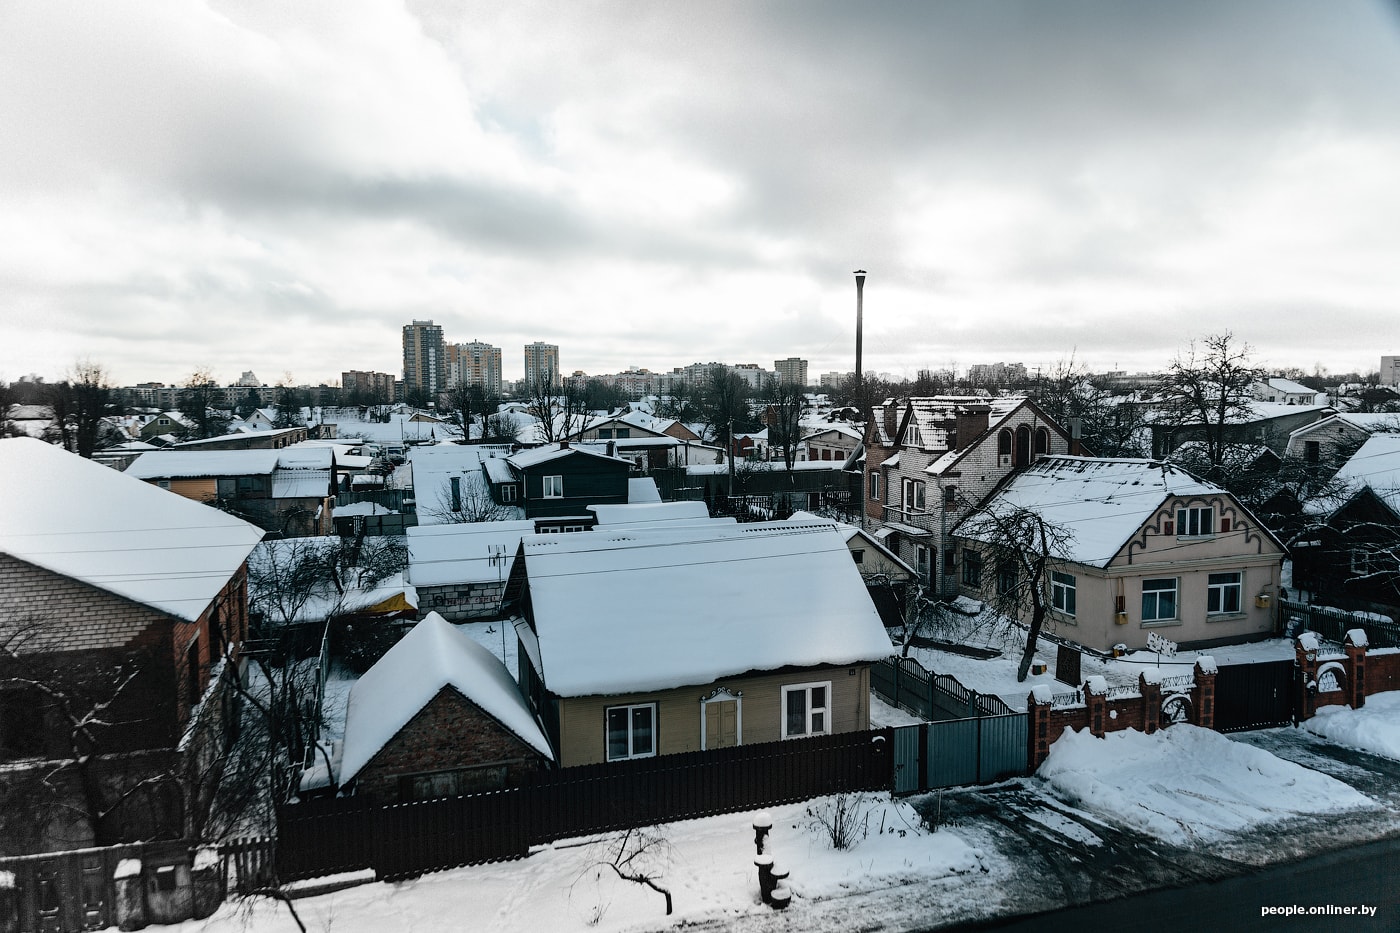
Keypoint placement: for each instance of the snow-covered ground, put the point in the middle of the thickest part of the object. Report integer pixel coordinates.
(1374, 728)
(998, 675)
(1187, 785)
(707, 865)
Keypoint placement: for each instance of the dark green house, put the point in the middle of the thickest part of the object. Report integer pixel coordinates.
(559, 481)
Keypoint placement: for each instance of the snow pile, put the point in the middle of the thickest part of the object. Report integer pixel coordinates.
(1374, 728)
(1186, 784)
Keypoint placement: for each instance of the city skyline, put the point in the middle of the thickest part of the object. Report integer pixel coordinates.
(237, 187)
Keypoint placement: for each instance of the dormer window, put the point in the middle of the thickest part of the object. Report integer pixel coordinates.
(912, 437)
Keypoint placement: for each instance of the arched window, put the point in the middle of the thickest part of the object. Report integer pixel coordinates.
(1023, 446)
(1042, 441)
(1004, 443)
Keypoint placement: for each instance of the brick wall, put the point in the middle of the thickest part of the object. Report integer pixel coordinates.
(1101, 714)
(1382, 672)
(450, 732)
(460, 601)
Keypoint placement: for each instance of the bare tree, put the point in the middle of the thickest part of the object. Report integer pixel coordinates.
(560, 410)
(73, 727)
(636, 855)
(1209, 389)
(726, 406)
(784, 418)
(1012, 555)
(467, 501)
(202, 405)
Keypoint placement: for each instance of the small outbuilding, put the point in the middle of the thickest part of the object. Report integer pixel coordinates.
(437, 716)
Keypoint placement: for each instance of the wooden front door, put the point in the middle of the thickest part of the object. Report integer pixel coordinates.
(721, 724)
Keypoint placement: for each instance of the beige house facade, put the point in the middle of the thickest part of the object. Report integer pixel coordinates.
(638, 642)
(1148, 549)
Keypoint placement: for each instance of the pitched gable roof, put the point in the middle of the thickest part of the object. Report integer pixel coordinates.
(112, 531)
(703, 602)
(1099, 503)
(433, 655)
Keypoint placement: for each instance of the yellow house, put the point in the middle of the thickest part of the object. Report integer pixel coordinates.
(639, 642)
(1146, 547)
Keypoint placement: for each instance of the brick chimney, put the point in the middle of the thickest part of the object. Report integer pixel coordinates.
(891, 413)
(972, 423)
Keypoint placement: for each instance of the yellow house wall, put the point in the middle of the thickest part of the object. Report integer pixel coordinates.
(1153, 554)
(582, 720)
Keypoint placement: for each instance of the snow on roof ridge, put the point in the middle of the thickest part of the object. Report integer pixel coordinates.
(433, 655)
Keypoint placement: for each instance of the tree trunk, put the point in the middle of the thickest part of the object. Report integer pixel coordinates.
(1027, 656)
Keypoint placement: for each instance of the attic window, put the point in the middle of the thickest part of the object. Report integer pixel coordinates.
(912, 437)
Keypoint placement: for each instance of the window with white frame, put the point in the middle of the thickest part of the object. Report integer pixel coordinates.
(554, 487)
(1223, 592)
(875, 486)
(914, 495)
(508, 492)
(631, 731)
(1062, 587)
(1159, 599)
(912, 437)
(1195, 522)
(806, 710)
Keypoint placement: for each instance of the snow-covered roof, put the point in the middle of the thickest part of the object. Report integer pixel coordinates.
(850, 532)
(301, 484)
(1098, 503)
(362, 508)
(1366, 421)
(528, 458)
(703, 601)
(498, 470)
(171, 464)
(1288, 386)
(433, 655)
(439, 555)
(89, 522)
(1376, 464)
(642, 490)
(648, 512)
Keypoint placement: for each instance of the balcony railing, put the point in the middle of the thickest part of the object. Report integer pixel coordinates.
(923, 518)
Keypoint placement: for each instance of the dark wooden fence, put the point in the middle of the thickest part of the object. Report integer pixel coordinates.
(905, 683)
(1333, 624)
(325, 837)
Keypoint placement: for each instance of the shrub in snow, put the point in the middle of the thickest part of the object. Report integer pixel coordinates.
(843, 819)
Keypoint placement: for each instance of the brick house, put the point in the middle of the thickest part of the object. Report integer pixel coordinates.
(459, 570)
(117, 597)
(437, 716)
(928, 460)
(637, 642)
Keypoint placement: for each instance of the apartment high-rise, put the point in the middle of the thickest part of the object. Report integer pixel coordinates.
(424, 363)
(791, 370)
(541, 364)
(474, 364)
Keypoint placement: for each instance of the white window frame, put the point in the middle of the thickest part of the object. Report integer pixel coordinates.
(1064, 593)
(555, 483)
(631, 753)
(1216, 592)
(875, 486)
(914, 497)
(810, 711)
(507, 492)
(1156, 618)
(1196, 521)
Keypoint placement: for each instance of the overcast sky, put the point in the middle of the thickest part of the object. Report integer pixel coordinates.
(280, 187)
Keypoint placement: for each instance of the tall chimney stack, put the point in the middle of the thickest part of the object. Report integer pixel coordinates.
(860, 320)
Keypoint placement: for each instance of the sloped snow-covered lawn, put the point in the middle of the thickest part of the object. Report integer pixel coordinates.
(1186, 784)
(706, 864)
(1374, 728)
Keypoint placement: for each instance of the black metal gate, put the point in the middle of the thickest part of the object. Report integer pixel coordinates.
(1255, 696)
